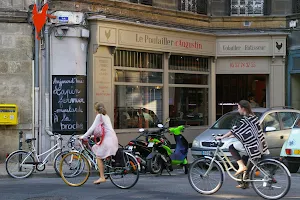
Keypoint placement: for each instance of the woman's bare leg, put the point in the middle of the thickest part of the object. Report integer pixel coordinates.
(101, 171)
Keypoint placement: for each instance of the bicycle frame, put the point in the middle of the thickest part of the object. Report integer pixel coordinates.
(221, 156)
(92, 161)
(50, 151)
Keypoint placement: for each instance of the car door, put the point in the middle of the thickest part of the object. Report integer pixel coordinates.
(271, 128)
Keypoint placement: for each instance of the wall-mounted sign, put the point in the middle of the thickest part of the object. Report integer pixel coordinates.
(243, 65)
(69, 110)
(156, 39)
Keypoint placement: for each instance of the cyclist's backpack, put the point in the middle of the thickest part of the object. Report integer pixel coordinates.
(119, 159)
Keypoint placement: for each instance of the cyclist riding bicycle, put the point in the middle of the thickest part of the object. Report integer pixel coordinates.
(250, 137)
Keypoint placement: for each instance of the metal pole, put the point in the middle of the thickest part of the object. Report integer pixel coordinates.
(20, 140)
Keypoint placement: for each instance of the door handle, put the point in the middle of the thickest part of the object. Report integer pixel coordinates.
(281, 137)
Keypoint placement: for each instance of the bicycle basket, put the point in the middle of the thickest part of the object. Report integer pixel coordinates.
(119, 159)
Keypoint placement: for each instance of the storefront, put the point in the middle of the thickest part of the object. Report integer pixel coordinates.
(250, 67)
(294, 79)
(144, 75)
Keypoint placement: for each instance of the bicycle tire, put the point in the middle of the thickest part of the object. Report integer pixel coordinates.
(269, 183)
(56, 163)
(14, 154)
(86, 163)
(132, 163)
(205, 162)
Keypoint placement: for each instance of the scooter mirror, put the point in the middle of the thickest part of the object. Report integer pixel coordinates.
(160, 125)
(141, 130)
(167, 120)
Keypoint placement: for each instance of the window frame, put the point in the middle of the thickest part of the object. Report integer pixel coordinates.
(263, 9)
(201, 6)
(281, 121)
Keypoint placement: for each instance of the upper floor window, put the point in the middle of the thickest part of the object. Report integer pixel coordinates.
(296, 6)
(195, 6)
(145, 2)
(247, 7)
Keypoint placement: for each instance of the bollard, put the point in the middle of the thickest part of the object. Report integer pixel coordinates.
(20, 140)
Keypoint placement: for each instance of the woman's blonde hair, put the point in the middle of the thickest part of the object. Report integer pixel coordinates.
(99, 107)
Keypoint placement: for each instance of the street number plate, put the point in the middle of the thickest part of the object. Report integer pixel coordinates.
(150, 144)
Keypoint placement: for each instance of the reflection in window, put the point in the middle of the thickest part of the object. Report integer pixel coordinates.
(137, 106)
(188, 63)
(247, 7)
(188, 106)
(288, 119)
(138, 76)
(271, 120)
(196, 79)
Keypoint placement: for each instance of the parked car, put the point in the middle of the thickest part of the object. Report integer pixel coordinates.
(291, 148)
(276, 124)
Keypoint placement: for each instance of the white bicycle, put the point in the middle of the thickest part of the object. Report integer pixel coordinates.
(21, 164)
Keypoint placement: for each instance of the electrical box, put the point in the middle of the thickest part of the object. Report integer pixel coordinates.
(8, 114)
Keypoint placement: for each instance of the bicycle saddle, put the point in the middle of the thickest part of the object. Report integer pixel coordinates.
(29, 140)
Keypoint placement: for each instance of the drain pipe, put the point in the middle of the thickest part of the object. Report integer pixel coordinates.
(36, 86)
(47, 83)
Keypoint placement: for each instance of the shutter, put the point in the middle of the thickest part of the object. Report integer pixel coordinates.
(202, 7)
(134, 1)
(146, 2)
(227, 7)
(267, 7)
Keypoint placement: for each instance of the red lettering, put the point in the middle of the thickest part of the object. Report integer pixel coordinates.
(242, 64)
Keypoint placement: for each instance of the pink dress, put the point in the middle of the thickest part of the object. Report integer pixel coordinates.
(110, 145)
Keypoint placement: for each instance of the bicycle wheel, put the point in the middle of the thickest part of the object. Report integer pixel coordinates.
(57, 160)
(19, 164)
(271, 179)
(204, 181)
(125, 176)
(74, 169)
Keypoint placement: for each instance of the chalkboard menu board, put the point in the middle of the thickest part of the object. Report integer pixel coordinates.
(69, 109)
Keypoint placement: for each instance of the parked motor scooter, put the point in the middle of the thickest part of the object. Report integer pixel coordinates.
(166, 156)
(141, 149)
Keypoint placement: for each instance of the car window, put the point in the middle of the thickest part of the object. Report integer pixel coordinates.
(288, 119)
(228, 120)
(297, 122)
(271, 120)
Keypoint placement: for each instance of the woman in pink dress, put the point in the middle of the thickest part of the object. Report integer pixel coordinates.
(109, 145)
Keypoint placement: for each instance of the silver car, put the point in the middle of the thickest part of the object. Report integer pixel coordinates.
(275, 122)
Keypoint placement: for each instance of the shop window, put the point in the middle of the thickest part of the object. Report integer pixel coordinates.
(195, 6)
(188, 106)
(296, 6)
(247, 7)
(188, 63)
(138, 89)
(296, 63)
(188, 90)
(138, 106)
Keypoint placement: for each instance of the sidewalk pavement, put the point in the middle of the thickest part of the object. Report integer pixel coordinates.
(49, 171)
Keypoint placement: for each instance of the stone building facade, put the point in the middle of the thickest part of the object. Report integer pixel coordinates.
(221, 21)
(16, 55)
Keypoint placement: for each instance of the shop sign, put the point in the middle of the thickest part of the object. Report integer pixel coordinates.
(243, 66)
(157, 40)
(244, 48)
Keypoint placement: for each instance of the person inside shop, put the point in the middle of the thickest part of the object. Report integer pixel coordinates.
(252, 101)
(109, 144)
(245, 130)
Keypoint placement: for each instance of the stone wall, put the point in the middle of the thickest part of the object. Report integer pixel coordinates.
(16, 54)
(219, 18)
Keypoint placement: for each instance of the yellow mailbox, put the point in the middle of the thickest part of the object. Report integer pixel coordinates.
(8, 114)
